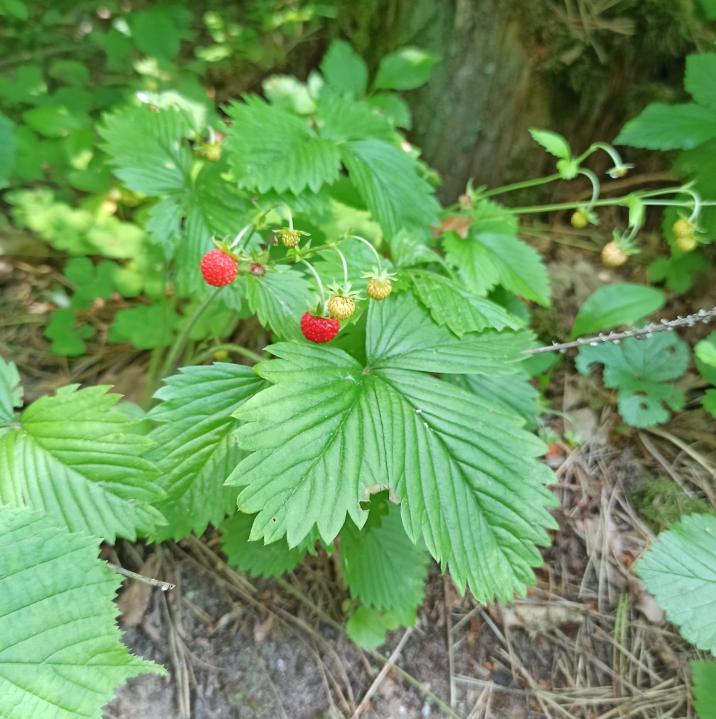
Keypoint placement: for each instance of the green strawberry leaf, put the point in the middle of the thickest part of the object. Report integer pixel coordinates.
(80, 460)
(677, 271)
(344, 70)
(613, 305)
(7, 150)
(446, 454)
(404, 69)
(485, 260)
(703, 679)
(272, 149)
(193, 444)
(669, 127)
(278, 299)
(699, 80)
(11, 391)
(61, 655)
(147, 149)
(417, 344)
(461, 311)
(382, 567)
(368, 627)
(709, 401)
(510, 392)
(388, 181)
(680, 572)
(553, 142)
(256, 558)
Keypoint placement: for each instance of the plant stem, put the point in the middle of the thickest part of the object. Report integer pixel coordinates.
(703, 316)
(228, 347)
(534, 182)
(180, 342)
(615, 202)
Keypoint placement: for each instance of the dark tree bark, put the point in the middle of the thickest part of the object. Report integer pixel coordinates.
(508, 65)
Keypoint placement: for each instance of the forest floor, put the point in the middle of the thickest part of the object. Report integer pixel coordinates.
(587, 641)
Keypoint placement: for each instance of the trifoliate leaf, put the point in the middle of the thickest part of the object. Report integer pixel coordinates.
(699, 79)
(614, 305)
(705, 350)
(344, 70)
(256, 558)
(11, 392)
(669, 127)
(145, 326)
(271, 149)
(147, 148)
(381, 566)
(703, 680)
(411, 341)
(330, 428)
(553, 142)
(279, 299)
(90, 281)
(460, 310)
(404, 69)
(388, 181)
(194, 447)
(638, 369)
(511, 392)
(61, 655)
(677, 271)
(368, 627)
(80, 460)
(679, 570)
(485, 260)
(68, 337)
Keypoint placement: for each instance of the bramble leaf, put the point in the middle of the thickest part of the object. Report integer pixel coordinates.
(256, 558)
(271, 149)
(614, 305)
(679, 570)
(61, 655)
(80, 460)
(638, 369)
(193, 444)
(446, 454)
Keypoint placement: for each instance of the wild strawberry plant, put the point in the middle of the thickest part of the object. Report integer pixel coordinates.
(389, 417)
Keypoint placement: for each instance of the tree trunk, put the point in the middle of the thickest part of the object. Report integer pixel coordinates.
(508, 65)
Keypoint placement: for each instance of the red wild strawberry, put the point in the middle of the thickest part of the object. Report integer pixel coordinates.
(218, 268)
(319, 329)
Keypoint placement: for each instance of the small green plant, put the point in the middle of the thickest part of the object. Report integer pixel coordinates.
(390, 419)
